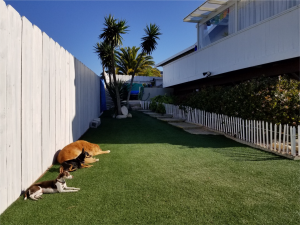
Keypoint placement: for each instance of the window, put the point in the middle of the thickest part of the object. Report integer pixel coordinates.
(216, 28)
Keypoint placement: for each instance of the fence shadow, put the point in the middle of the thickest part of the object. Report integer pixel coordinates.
(248, 154)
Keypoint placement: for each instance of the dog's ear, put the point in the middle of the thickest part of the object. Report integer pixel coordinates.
(61, 169)
(82, 150)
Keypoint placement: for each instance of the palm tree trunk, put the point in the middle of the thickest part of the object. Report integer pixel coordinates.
(104, 78)
(132, 77)
(115, 82)
(105, 81)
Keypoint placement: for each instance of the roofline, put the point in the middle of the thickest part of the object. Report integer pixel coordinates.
(212, 14)
(176, 55)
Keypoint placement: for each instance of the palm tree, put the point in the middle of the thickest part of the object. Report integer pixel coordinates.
(112, 35)
(103, 50)
(127, 59)
(148, 46)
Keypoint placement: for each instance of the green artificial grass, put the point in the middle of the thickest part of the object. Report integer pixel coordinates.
(159, 174)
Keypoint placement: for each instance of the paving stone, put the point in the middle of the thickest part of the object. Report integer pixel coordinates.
(200, 131)
(160, 115)
(174, 120)
(184, 125)
(149, 112)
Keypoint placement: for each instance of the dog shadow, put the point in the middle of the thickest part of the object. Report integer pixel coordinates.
(54, 160)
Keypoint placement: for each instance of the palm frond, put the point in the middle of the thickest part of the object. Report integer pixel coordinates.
(112, 31)
(149, 40)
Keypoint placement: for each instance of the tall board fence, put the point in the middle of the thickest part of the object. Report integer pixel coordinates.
(47, 99)
(279, 139)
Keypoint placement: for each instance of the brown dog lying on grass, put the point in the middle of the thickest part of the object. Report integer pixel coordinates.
(73, 150)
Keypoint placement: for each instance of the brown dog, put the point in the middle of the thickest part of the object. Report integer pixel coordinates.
(74, 149)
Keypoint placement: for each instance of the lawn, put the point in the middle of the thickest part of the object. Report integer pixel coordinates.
(159, 174)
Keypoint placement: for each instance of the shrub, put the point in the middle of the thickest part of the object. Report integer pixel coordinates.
(160, 108)
(273, 100)
(153, 106)
(123, 91)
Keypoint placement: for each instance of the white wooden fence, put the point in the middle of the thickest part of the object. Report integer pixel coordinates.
(47, 99)
(280, 139)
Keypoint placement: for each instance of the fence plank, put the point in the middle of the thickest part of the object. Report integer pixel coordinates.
(287, 139)
(3, 65)
(271, 136)
(298, 140)
(279, 137)
(57, 98)
(72, 98)
(284, 150)
(275, 137)
(293, 136)
(27, 68)
(13, 105)
(267, 135)
(62, 97)
(52, 98)
(263, 133)
(46, 159)
(37, 107)
(67, 97)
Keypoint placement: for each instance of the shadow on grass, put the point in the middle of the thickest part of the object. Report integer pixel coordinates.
(250, 154)
(143, 129)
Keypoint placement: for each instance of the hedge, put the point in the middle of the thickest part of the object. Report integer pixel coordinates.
(275, 100)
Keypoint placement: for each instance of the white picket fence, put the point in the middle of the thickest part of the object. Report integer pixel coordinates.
(47, 99)
(281, 139)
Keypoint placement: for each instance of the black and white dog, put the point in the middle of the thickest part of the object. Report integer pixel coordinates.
(74, 164)
(36, 191)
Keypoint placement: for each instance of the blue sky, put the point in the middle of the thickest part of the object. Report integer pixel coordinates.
(76, 25)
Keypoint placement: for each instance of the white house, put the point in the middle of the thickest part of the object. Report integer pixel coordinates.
(237, 40)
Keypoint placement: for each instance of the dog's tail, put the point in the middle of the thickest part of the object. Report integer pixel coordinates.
(25, 194)
(61, 169)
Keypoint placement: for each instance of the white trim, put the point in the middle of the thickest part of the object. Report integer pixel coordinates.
(177, 54)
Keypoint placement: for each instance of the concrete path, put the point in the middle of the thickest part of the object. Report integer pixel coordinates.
(188, 127)
(160, 115)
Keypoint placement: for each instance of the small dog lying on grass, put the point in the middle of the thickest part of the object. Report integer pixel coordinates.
(74, 164)
(36, 191)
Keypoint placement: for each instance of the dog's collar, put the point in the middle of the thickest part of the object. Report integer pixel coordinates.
(62, 182)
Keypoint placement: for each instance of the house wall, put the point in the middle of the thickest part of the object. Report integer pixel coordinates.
(47, 99)
(153, 92)
(273, 39)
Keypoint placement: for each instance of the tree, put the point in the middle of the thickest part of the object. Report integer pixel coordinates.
(103, 50)
(150, 72)
(148, 45)
(127, 59)
(112, 35)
